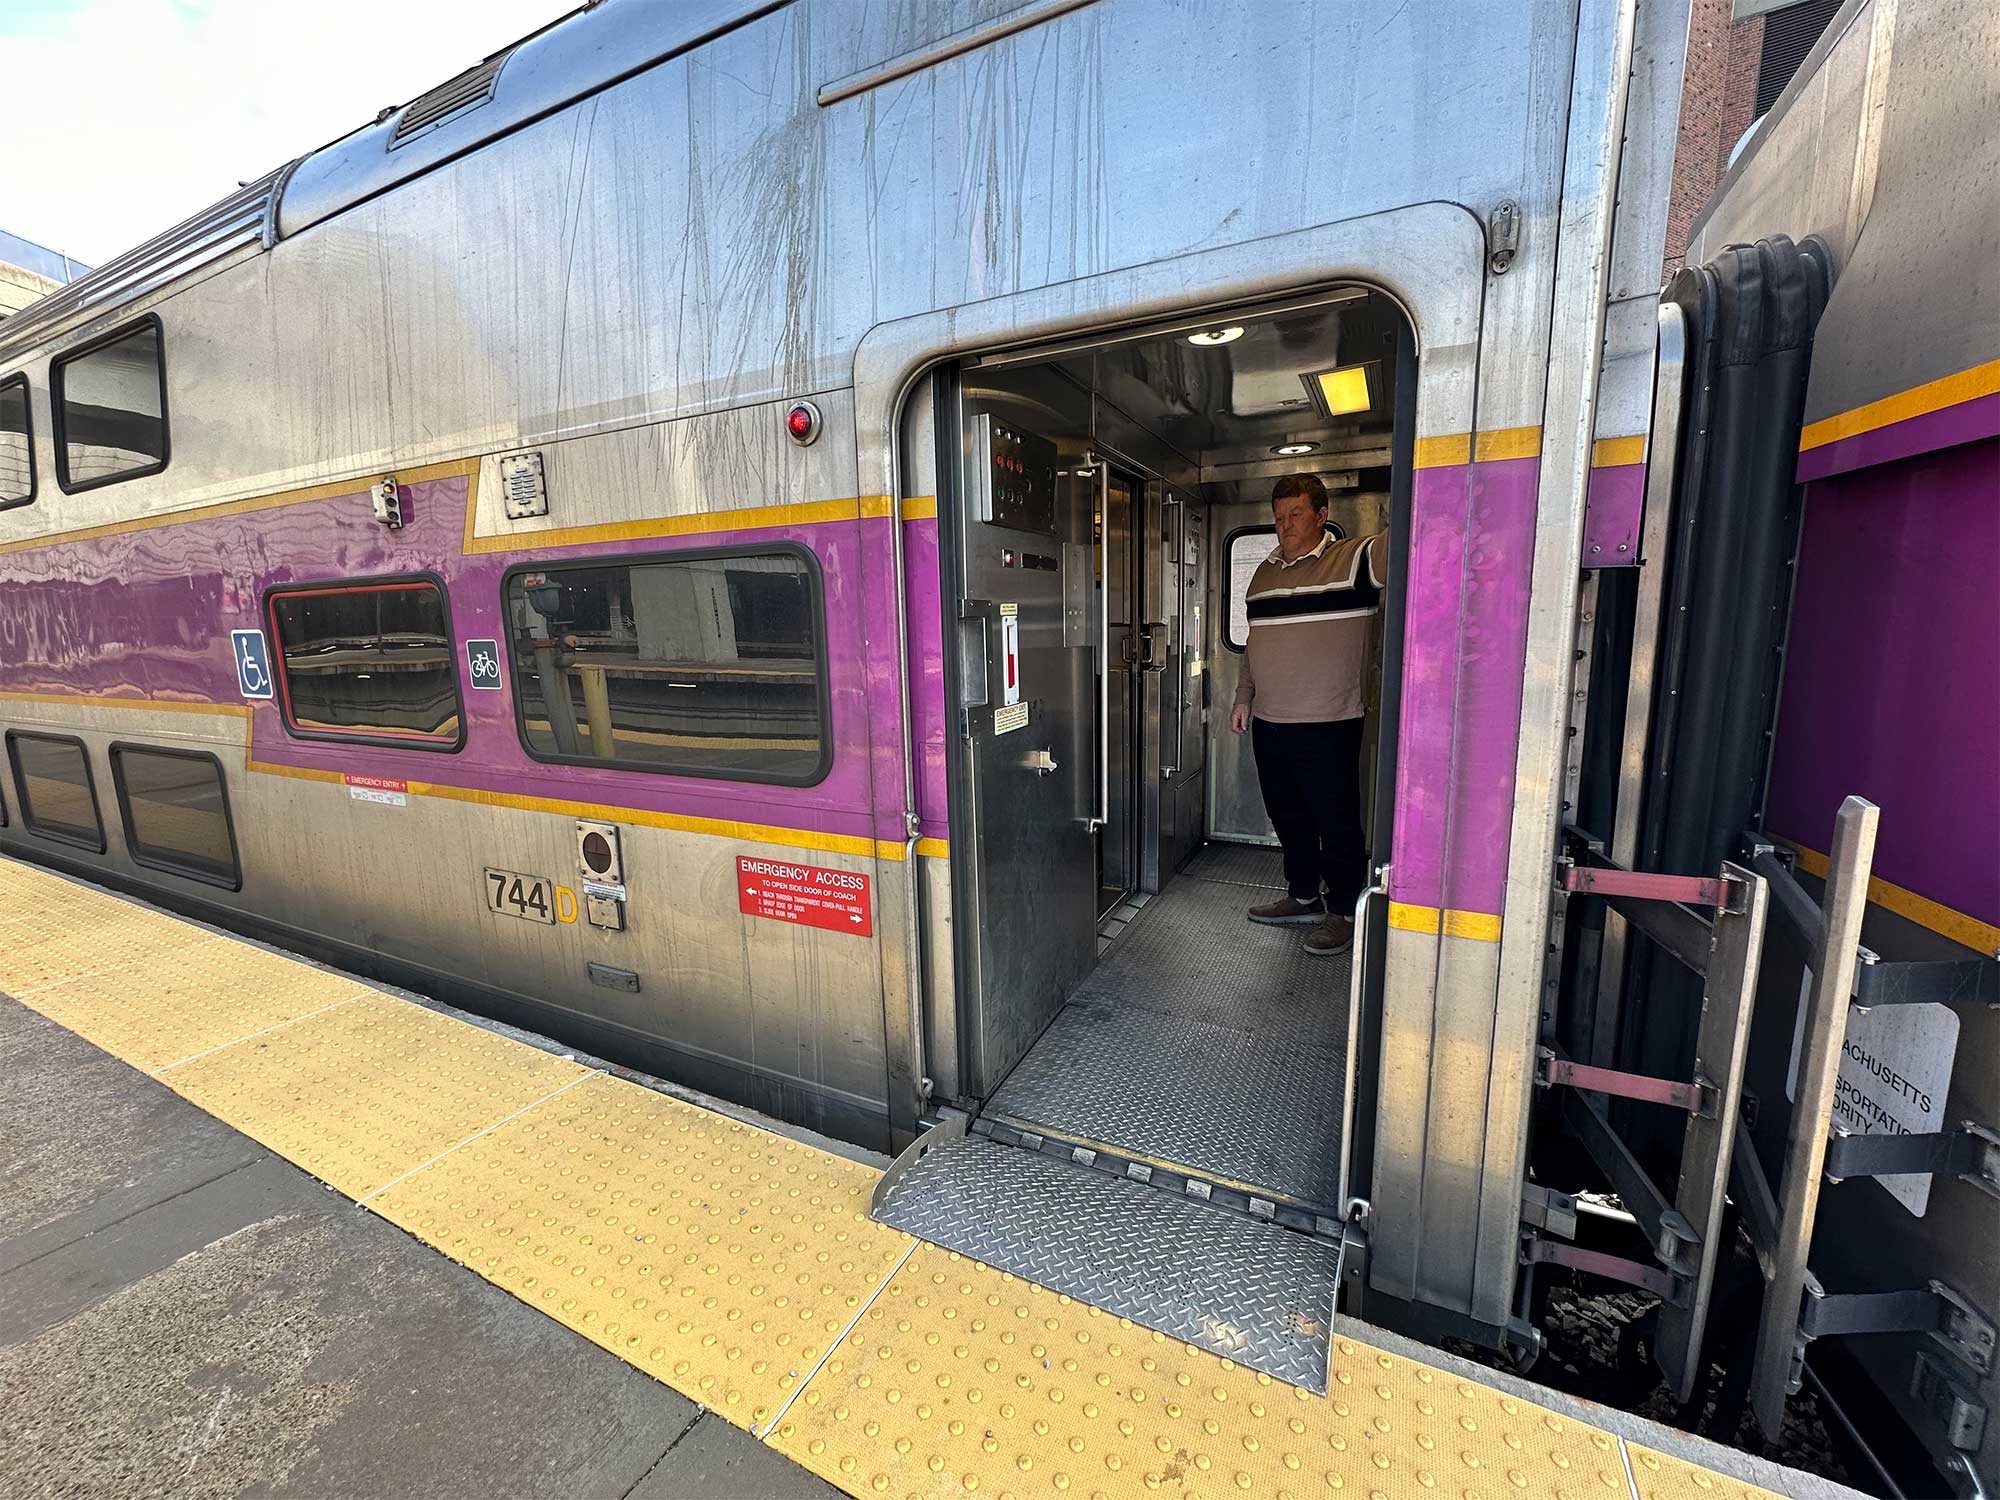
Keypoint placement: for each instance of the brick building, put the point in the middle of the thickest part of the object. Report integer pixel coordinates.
(1740, 56)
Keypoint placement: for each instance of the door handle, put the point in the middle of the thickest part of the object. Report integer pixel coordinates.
(1041, 762)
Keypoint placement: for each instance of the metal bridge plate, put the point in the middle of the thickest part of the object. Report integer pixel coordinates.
(1254, 1293)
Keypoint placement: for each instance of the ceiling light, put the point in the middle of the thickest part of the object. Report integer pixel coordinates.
(1341, 392)
(1208, 338)
(1293, 450)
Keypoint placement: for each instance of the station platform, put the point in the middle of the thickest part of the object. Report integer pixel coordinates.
(235, 1185)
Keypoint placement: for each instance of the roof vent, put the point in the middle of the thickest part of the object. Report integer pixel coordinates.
(468, 91)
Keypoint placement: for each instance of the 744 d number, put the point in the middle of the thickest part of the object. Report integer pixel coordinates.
(529, 897)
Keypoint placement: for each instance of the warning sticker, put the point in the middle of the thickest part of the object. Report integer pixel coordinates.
(383, 789)
(832, 900)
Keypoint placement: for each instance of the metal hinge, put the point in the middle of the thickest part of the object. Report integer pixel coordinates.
(1934, 1309)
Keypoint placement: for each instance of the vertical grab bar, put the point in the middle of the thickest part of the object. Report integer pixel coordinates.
(1101, 816)
(1357, 985)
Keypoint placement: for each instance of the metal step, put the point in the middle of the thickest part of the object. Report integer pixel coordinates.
(1252, 1292)
(1243, 1110)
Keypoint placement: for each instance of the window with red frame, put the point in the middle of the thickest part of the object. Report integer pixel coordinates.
(367, 661)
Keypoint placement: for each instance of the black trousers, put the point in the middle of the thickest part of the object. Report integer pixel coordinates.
(1311, 778)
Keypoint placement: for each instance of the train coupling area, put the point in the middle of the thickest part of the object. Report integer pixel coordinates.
(807, 1347)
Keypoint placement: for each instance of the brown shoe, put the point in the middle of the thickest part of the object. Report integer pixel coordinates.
(1288, 913)
(1333, 935)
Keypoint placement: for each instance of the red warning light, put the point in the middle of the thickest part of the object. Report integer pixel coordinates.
(802, 422)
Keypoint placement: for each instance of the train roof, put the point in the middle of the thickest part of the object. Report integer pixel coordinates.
(576, 55)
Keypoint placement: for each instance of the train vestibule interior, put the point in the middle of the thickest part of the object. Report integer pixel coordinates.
(1103, 505)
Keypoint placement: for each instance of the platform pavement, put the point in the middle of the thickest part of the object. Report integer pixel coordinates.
(182, 1312)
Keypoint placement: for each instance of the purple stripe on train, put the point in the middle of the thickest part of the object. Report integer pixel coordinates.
(1964, 422)
(148, 614)
(1464, 646)
(1615, 509)
(1893, 672)
(925, 619)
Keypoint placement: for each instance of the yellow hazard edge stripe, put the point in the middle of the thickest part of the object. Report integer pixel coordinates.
(1483, 927)
(1934, 915)
(1932, 395)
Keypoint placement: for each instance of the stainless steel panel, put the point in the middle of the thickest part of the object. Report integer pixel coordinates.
(1025, 909)
(1599, 92)
(1250, 1292)
(1119, 547)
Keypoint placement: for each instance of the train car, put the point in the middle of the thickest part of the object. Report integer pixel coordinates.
(1842, 368)
(718, 535)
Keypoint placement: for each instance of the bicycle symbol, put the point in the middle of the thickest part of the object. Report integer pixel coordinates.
(483, 658)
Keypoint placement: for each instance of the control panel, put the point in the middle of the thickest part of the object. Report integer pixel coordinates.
(1014, 474)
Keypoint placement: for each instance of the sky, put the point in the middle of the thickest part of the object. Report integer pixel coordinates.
(142, 112)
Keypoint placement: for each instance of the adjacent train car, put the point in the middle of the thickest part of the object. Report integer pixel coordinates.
(1877, 161)
(717, 534)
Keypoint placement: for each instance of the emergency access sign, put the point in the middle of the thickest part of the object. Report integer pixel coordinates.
(832, 900)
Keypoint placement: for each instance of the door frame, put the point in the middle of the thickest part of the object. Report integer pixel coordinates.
(1429, 258)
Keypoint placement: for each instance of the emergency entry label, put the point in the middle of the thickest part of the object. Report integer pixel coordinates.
(1895, 1070)
(832, 900)
(383, 789)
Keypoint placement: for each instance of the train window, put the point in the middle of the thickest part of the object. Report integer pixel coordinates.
(17, 444)
(699, 664)
(176, 813)
(53, 785)
(1244, 549)
(368, 661)
(110, 401)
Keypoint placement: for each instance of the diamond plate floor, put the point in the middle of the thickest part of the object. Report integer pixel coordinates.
(1203, 1041)
(1250, 1292)
(1238, 864)
(1232, 1105)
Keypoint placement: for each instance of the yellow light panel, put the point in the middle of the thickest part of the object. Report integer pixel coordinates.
(1345, 390)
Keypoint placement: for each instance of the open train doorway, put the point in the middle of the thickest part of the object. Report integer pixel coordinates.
(1103, 506)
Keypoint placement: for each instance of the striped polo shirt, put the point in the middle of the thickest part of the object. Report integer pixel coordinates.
(1306, 660)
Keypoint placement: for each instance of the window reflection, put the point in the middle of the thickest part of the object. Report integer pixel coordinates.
(175, 815)
(708, 666)
(112, 403)
(17, 457)
(52, 779)
(369, 660)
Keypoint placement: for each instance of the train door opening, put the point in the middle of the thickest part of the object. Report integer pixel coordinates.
(1115, 1007)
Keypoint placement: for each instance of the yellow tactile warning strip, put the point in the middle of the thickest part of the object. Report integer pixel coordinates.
(194, 998)
(740, 1266)
(1660, 1476)
(361, 1093)
(962, 1379)
(721, 1258)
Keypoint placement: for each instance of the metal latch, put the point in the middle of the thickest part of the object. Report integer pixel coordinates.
(1503, 237)
(1041, 762)
(1957, 1407)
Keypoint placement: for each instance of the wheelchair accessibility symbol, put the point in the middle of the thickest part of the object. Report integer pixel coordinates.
(253, 663)
(482, 661)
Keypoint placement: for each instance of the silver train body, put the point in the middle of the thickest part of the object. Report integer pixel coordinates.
(565, 312)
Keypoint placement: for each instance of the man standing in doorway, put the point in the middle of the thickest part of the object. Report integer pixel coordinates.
(1311, 606)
